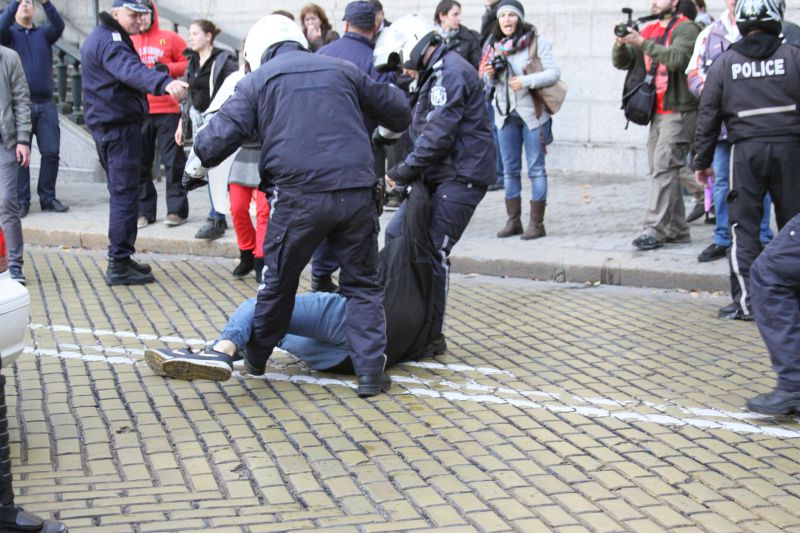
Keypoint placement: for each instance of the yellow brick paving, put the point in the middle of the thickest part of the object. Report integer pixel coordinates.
(558, 407)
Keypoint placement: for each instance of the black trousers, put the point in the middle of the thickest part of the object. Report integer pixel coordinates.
(299, 222)
(158, 132)
(757, 167)
(775, 286)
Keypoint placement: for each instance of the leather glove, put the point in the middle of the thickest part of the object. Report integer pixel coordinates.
(403, 174)
(161, 67)
(191, 183)
(383, 137)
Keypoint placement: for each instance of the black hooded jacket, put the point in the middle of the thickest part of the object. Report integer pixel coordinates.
(753, 87)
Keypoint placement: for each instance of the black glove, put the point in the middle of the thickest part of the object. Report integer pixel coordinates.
(380, 140)
(191, 183)
(161, 67)
(403, 174)
(379, 194)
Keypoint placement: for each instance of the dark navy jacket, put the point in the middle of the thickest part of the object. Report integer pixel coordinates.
(115, 81)
(450, 129)
(358, 50)
(306, 110)
(34, 48)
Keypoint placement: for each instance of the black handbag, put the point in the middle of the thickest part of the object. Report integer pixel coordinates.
(639, 101)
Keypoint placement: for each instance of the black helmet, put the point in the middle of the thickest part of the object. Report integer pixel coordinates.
(762, 15)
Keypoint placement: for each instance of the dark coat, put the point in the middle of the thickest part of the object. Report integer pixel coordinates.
(466, 43)
(450, 129)
(307, 111)
(115, 81)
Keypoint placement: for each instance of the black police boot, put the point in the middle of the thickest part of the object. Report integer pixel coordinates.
(323, 284)
(122, 272)
(373, 385)
(258, 266)
(142, 268)
(212, 229)
(13, 518)
(777, 402)
(245, 265)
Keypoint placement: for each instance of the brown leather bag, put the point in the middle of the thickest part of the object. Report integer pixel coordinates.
(548, 98)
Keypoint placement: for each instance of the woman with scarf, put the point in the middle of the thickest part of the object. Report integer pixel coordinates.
(458, 38)
(521, 120)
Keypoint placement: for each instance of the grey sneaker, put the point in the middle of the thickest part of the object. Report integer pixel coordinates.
(179, 364)
(16, 274)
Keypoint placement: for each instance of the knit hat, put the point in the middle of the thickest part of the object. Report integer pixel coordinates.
(511, 5)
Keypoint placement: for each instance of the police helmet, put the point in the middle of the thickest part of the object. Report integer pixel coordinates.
(396, 44)
(762, 15)
(265, 34)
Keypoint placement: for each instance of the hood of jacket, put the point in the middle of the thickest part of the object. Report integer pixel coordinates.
(758, 45)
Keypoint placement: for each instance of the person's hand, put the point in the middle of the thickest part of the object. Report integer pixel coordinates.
(515, 83)
(633, 37)
(179, 140)
(488, 70)
(390, 182)
(24, 155)
(177, 89)
(313, 32)
(702, 176)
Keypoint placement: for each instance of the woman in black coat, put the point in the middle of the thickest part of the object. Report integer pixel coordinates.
(458, 38)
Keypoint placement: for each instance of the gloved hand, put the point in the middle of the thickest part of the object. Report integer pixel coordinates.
(161, 67)
(403, 174)
(191, 183)
(383, 137)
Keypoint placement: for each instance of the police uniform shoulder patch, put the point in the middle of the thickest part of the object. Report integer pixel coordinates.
(116, 37)
(438, 96)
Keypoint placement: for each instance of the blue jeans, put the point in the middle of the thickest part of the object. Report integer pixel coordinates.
(317, 334)
(501, 176)
(721, 166)
(44, 123)
(512, 136)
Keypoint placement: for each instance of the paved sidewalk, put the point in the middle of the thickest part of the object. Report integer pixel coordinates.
(558, 407)
(590, 221)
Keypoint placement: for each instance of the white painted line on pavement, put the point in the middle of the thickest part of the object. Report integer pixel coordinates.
(456, 396)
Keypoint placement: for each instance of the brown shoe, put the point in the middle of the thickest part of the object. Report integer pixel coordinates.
(535, 228)
(514, 223)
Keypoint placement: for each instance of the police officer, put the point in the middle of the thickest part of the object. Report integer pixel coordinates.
(115, 83)
(753, 87)
(453, 152)
(775, 286)
(315, 152)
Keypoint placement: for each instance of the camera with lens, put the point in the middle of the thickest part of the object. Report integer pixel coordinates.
(624, 28)
(499, 64)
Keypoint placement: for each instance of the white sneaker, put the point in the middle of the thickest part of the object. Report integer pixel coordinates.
(142, 223)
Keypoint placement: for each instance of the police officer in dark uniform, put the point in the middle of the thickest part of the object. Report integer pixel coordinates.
(753, 87)
(453, 152)
(115, 83)
(315, 152)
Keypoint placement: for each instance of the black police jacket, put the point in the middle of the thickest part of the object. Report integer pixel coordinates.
(450, 129)
(753, 87)
(115, 81)
(306, 110)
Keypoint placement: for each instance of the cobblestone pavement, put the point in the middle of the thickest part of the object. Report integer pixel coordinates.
(561, 407)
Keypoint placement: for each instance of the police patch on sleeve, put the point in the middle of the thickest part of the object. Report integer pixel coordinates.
(438, 96)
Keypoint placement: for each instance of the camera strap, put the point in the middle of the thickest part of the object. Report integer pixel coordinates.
(651, 73)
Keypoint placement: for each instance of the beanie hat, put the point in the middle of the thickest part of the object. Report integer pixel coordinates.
(511, 5)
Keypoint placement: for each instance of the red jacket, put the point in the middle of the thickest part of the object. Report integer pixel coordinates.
(166, 47)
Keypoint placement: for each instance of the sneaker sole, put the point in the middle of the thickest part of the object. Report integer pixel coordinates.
(171, 224)
(189, 369)
(155, 360)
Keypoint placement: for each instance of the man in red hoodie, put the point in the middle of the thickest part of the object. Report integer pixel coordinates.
(161, 50)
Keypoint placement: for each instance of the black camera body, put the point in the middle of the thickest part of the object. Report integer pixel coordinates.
(624, 28)
(499, 64)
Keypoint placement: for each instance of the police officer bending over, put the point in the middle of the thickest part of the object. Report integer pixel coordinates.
(453, 152)
(115, 83)
(754, 88)
(315, 152)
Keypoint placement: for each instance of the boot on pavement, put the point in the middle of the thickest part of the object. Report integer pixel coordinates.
(246, 264)
(536, 225)
(514, 223)
(127, 272)
(258, 266)
(778, 403)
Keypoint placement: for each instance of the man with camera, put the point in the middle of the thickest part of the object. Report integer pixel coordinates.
(753, 89)
(665, 47)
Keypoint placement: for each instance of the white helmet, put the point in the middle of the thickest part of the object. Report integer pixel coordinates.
(265, 33)
(763, 15)
(395, 43)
